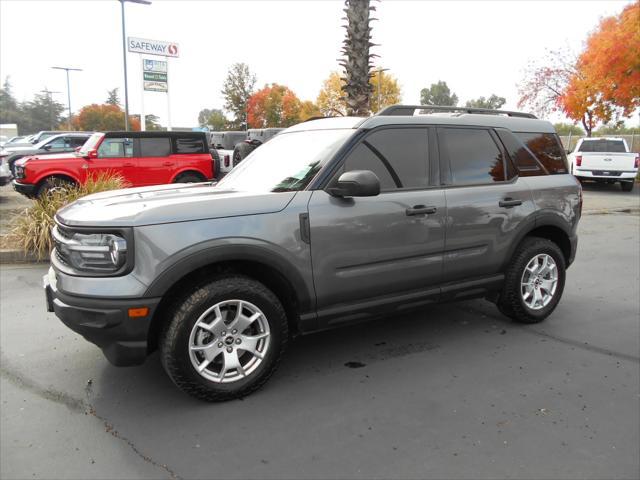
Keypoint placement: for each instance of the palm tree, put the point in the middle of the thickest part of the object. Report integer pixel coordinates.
(357, 63)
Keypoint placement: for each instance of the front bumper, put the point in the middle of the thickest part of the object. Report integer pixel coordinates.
(104, 322)
(4, 180)
(24, 188)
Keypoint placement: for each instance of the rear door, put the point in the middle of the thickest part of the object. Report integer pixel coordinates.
(486, 202)
(115, 154)
(156, 165)
(376, 248)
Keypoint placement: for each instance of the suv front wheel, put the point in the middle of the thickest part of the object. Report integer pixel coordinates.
(224, 339)
(534, 281)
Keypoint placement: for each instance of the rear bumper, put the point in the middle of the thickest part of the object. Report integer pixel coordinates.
(24, 188)
(606, 174)
(104, 322)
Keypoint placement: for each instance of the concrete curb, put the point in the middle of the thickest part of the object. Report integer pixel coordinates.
(608, 211)
(18, 256)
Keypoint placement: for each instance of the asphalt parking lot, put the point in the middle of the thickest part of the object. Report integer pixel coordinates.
(452, 391)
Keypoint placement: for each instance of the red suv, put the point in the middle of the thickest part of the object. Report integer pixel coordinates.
(142, 158)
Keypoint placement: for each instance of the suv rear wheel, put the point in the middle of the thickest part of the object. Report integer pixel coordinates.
(189, 177)
(534, 281)
(224, 339)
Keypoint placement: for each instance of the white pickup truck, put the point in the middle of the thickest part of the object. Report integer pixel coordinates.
(605, 160)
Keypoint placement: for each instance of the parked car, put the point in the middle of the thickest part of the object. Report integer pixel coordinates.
(11, 140)
(605, 160)
(330, 222)
(142, 158)
(255, 138)
(224, 144)
(65, 142)
(5, 173)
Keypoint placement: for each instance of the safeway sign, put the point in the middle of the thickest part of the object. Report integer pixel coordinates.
(153, 47)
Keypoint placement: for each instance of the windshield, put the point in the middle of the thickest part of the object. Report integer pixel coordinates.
(90, 144)
(287, 162)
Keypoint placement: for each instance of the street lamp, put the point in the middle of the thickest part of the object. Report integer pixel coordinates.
(68, 90)
(380, 70)
(124, 59)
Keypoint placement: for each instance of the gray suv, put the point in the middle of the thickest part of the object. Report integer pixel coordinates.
(332, 221)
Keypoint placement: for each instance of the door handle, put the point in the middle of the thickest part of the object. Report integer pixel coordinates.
(167, 164)
(509, 202)
(420, 210)
(128, 165)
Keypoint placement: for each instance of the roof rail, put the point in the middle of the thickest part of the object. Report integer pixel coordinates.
(398, 110)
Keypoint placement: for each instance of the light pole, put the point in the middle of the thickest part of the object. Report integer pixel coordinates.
(124, 60)
(380, 70)
(49, 92)
(67, 69)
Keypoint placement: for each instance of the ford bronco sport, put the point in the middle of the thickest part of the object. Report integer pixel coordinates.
(332, 221)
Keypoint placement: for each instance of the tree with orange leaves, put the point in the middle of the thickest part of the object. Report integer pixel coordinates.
(602, 83)
(104, 117)
(611, 59)
(274, 106)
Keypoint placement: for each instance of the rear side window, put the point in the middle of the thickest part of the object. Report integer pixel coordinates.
(473, 155)
(547, 149)
(524, 160)
(398, 156)
(77, 141)
(616, 146)
(155, 147)
(190, 145)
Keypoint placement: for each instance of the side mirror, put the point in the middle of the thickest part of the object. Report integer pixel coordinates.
(77, 149)
(93, 153)
(47, 147)
(357, 183)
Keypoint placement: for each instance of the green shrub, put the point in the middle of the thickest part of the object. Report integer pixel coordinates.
(31, 230)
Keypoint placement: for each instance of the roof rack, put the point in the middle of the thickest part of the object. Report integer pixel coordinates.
(399, 110)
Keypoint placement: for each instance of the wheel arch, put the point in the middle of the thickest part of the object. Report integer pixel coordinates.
(274, 272)
(550, 227)
(61, 175)
(192, 170)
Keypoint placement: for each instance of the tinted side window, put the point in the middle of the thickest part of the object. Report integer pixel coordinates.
(398, 156)
(190, 145)
(115, 147)
(155, 147)
(77, 141)
(547, 149)
(473, 155)
(525, 162)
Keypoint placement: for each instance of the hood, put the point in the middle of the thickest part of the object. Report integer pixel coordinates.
(168, 204)
(37, 155)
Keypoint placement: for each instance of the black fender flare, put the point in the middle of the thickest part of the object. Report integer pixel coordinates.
(208, 253)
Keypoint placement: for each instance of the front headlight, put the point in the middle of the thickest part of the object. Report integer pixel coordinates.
(90, 252)
(19, 171)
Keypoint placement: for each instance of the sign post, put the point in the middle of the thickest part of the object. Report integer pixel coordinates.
(155, 73)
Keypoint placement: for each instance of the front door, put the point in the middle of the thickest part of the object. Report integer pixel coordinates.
(115, 155)
(374, 249)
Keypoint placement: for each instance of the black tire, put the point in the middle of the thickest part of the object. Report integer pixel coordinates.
(241, 151)
(51, 184)
(216, 163)
(186, 310)
(627, 186)
(189, 177)
(511, 302)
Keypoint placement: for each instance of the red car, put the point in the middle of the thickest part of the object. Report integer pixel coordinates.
(142, 158)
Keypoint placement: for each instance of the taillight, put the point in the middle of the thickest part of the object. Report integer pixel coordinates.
(578, 160)
(635, 164)
(226, 161)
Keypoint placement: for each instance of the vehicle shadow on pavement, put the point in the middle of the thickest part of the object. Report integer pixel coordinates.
(147, 390)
